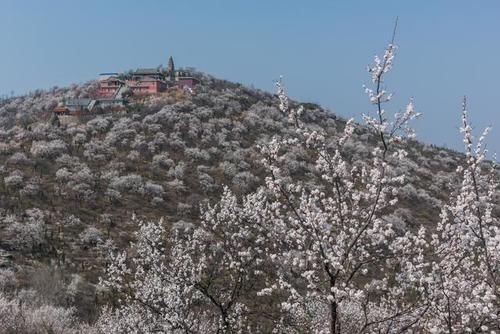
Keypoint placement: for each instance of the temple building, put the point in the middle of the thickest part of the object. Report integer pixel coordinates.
(144, 81)
(109, 86)
(185, 79)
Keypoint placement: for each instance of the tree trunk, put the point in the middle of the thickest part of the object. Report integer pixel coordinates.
(333, 318)
(334, 321)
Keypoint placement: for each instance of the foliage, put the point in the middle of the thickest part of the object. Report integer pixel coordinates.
(321, 254)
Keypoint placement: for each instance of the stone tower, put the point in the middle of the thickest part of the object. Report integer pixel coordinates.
(171, 68)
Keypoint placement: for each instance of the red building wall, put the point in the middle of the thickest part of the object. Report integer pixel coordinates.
(108, 88)
(149, 86)
(186, 82)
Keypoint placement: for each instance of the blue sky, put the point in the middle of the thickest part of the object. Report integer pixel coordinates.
(447, 48)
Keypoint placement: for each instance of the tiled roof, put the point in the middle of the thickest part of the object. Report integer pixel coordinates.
(60, 109)
(77, 102)
(146, 71)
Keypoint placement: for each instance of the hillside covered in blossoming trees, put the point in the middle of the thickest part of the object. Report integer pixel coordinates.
(231, 210)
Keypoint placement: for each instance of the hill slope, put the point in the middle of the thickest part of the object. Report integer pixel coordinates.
(68, 192)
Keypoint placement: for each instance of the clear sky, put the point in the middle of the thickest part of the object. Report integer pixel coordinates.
(447, 48)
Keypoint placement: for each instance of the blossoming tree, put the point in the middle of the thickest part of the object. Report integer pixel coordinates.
(462, 283)
(339, 261)
(321, 257)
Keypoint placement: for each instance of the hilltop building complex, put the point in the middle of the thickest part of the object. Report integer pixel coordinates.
(144, 81)
(114, 88)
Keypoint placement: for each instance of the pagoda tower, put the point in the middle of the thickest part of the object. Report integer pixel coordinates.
(171, 68)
